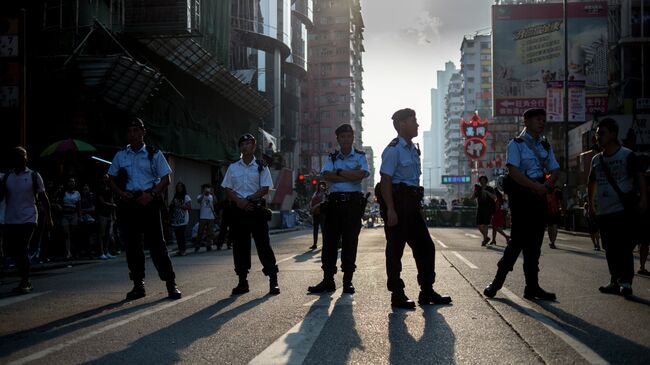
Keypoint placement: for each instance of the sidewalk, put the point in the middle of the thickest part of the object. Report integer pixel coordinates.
(63, 263)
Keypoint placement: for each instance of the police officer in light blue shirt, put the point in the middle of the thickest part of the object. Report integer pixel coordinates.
(400, 198)
(344, 170)
(529, 160)
(139, 174)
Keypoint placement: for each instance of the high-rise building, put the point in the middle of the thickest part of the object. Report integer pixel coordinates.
(433, 140)
(335, 83)
(269, 43)
(454, 108)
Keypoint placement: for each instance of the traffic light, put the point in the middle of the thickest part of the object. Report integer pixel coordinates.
(300, 187)
(301, 178)
(314, 181)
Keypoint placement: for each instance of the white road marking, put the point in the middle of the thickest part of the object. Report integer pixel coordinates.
(466, 261)
(292, 347)
(20, 298)
(442, 244)
(50, 350)
(588, 354)
(472, 235)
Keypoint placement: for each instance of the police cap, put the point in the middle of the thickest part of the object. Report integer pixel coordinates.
(533, 112)
(246, 137)
(343, 128)
(135, 122)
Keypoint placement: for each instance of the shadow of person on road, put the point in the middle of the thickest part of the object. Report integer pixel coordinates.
(339, 333)
(169, 341)
(14, 342)
(436, 346)
(599, 340)
(306, 256)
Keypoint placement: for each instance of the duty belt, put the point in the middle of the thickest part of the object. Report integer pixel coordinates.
(413, 191)
(344, 197)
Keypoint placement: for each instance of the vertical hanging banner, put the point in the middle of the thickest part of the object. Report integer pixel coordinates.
(577, 98)
(528, 53)
(554, 101)
(9, 66)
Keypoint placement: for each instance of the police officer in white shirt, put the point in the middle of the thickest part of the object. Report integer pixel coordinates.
(246, 182)
(139, 175)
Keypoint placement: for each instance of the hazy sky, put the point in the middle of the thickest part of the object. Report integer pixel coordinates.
(406, 42)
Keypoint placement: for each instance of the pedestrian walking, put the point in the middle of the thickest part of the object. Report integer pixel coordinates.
(87, 222)
(499, 218)
(71, 204)
(139, 176)
(345, 169)
(317, 209)
(485, 199)
(21, 189)
(246, 182)
(592, 227)
(644, 237)
(529, 159)
(206, 219)
(613, 197)
(105, 209)
(179, 210)
(554, 201)
(400, 198)
(225, 225)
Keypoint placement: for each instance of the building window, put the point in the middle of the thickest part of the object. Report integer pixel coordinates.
(341, 20)
(470, 67)
(470, 44)
(470, 80)
(342, 114)
(485, 80)
(485, 45)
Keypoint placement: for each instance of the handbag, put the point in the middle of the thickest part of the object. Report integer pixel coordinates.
(629, 199)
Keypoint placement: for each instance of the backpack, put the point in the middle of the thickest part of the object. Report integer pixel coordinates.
(3, 185)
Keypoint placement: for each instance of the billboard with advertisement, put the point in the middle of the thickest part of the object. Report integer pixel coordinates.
(528, 53)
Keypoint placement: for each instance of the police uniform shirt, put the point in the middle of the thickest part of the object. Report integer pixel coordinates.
(245, 179)
(143, 174)
(523, 158)
(401, 161)
(355, 160)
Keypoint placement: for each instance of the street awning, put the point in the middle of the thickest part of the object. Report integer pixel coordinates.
(189, 56)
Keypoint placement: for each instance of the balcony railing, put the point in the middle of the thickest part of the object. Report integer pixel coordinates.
(162, 17)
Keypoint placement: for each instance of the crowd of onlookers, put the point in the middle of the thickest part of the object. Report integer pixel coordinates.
(85, 222)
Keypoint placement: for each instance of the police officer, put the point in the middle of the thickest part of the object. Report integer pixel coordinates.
(246, 182)
(139, 175)
(400, 202)
(344, 170)
(529, 159)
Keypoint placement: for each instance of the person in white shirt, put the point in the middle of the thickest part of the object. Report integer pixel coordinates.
(206, 219)
(71, 203)
(246, 182)
(21, 189)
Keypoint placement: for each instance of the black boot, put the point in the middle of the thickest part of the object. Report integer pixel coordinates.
(137, 292)
(327, 285)
(242, 286)
(532, 293)
(348, 288)
(400, 300)
(497, 283)
(429, 296)
(274, 289)
(172, 290)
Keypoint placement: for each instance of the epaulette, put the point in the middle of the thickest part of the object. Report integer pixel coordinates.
(333, 155)
(394, 142)
(518, 139)
(359, 152)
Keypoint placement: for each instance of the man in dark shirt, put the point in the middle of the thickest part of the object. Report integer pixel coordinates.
(485, 197)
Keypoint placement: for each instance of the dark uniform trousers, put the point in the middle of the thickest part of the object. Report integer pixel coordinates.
(243, 225)
(411, 228)
(16, 245)
(137, 220)
(616, 232)
(529, 212)
(342, 223)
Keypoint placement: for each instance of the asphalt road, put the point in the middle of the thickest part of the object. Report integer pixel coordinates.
(77, 314)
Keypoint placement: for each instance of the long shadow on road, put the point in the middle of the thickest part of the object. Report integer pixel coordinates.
(599, 340)
(163, 346)
(14, 342)
(436, 346)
